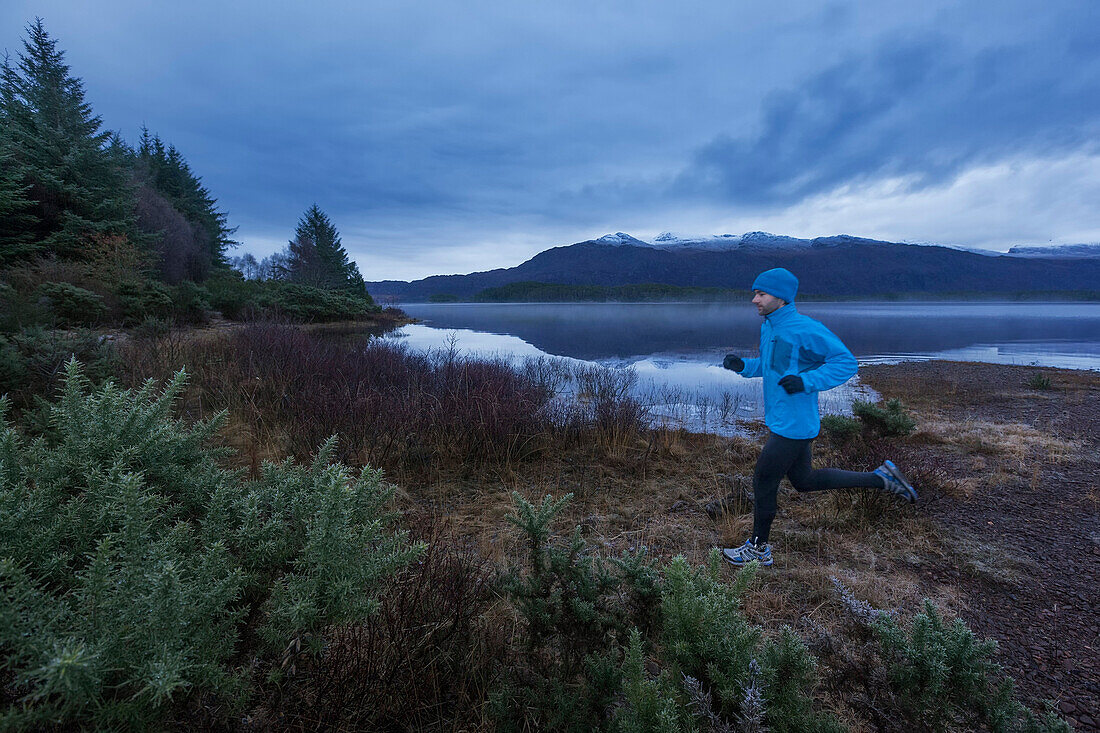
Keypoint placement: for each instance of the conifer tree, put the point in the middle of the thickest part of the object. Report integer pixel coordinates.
(165, 170)
(79, 185)
(16, 219)
(317, 258)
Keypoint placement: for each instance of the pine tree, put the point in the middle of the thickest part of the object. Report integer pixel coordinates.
(16, 220)
(79, 184)
(317, 258)
(165, 170)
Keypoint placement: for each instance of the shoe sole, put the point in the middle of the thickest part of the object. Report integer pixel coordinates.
(911, 493)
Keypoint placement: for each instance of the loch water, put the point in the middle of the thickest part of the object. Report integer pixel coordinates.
(676, 349)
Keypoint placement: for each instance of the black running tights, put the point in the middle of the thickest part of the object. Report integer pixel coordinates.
(791, 458)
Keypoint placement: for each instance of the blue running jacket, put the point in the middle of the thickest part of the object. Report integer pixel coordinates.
(791, 343)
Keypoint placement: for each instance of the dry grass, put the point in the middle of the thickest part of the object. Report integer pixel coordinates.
(655, 499)
(1007, 439)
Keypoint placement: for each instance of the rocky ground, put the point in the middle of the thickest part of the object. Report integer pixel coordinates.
(1039, 514)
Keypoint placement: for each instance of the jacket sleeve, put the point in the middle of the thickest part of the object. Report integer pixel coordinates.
(752, 368)
(829, 362)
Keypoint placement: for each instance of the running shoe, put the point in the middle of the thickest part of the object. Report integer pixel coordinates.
(895, 481)
(747, 553)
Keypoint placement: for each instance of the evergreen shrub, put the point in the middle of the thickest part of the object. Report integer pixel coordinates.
(33, 359)
(12, 309)
(585, 641)
(233, 296)
(1040, 381)
(942, 673)
(840, 429)
(190, 302)
(309, 304)
(931, 674)
(134, 568)
(888, 419)
(141, 299)
(72, 305)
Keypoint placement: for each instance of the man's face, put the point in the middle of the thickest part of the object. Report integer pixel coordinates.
(766, 303)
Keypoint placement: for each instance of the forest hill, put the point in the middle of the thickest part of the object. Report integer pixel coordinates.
(94, 231)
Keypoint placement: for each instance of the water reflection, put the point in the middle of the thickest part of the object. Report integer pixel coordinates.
(1048, 334)
(676, 349)
(679, 390)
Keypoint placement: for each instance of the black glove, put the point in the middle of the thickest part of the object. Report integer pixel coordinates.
(733, 362)
(792, 383)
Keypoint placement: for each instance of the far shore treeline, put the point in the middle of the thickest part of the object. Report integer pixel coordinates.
(95, 231)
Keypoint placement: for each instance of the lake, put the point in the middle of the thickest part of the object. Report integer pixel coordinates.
(676, 349)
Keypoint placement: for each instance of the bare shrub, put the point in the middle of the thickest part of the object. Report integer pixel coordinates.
(391, 407)
(607, 402)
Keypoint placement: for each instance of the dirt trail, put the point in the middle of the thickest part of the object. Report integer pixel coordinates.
(1043, 515)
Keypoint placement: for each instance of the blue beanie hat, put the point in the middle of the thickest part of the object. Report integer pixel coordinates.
(778, 282)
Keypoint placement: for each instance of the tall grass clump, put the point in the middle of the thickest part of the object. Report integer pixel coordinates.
(137, 574)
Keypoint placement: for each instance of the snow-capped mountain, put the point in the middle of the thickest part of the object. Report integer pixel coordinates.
(1061, 250)
(841, 265)
(722, 242)
(619, 239)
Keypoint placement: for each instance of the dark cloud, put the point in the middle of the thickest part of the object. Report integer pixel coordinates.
(925, 107)
(436, 125)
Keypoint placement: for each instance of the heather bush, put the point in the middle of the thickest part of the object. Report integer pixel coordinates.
(392, 407)
(134, 568)
(422, 660)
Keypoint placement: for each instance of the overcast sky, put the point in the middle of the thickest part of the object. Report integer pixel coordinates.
(447, 137)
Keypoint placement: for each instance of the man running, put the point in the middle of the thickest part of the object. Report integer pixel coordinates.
(799, 357)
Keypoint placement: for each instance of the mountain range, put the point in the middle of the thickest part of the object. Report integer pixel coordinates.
(837, 266)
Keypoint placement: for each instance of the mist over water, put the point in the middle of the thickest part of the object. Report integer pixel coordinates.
(676, 349)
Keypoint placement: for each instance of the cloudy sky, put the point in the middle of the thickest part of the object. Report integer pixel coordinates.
(458, 136)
